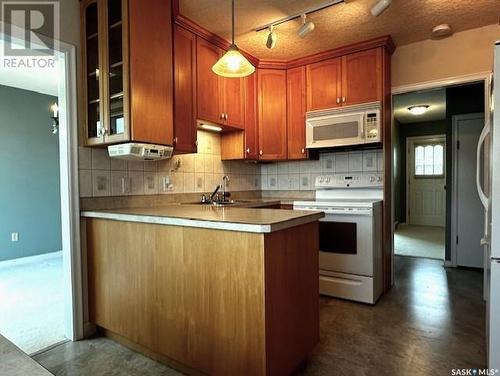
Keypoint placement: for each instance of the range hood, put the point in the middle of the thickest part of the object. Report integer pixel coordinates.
(133, 151)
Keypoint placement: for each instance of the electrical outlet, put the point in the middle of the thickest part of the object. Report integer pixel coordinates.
(14, 236)
(166, 184)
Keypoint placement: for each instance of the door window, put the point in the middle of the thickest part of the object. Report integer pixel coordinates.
(429, 160)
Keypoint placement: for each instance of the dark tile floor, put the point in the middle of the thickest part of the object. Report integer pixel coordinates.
(431, 321)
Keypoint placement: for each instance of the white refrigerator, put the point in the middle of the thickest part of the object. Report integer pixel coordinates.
(491, 201)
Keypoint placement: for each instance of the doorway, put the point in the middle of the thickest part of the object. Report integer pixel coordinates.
(423, 168)
(40, 262)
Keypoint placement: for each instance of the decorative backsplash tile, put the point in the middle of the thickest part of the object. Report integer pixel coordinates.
(201, 172)
(300, 175)
(188, 173)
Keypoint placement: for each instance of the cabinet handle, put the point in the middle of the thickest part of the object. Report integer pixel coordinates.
(260, 152)
(343, 99)
(175, 140)
(338, 100)
(225, 116)
(221, 116)
(303, 150)
(248, 150)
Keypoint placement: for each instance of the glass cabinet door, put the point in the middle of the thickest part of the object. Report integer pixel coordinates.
(92, 71)
(115, 114)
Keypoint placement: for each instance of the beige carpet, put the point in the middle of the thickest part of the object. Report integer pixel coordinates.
(419, 241)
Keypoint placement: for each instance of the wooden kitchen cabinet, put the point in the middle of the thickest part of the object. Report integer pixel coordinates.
(153, 288)
(244, 144)
(351, 79)
(128, 80)
(362, 77)
(220, 100)
(324, 84)
(208, 83)
(272, 114)
(184, 91)
(296, 113)
(233, 94)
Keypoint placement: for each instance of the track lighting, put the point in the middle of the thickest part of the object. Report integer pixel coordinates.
(306, 28)
(380, 7)
(271, 38)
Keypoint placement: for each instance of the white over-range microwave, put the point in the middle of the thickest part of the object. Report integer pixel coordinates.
(350, 125)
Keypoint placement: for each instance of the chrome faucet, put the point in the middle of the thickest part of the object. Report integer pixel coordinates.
(212, 196)
(225, 180)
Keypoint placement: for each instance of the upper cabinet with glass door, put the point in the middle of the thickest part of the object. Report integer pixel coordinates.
(128, 86)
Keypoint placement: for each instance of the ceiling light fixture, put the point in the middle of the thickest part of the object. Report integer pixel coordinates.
(233, 63)
(306, 28)
(380, 7)
(209, 127)
(441, 31)
(418, 109)
(272, 38)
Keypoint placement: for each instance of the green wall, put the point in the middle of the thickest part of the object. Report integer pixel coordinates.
(29, 175)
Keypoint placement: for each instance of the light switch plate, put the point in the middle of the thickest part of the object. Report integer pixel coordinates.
(14, 236)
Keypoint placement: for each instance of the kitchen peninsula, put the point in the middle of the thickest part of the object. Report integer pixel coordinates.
(205, 289)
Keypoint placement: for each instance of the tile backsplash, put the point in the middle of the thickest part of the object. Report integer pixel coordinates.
(300, 175)
(200, 173)
(188, 173)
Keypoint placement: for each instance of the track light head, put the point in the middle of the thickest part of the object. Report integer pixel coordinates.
(380, 7)
(306, 28)
(272, 38)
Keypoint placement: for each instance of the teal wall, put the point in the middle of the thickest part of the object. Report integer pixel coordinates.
(29, 175)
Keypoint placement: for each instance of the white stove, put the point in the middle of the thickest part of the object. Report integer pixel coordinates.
(350, 235)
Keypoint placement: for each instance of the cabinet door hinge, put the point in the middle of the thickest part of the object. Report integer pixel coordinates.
(456, 239)
(458, 144)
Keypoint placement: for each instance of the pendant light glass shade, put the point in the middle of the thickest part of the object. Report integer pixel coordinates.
(233, 64)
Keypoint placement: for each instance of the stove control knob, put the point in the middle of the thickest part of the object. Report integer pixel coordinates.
(321, 180)
(327, 180)
(372, 179)
(379, 179)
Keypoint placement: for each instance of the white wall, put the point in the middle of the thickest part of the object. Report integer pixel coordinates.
(463, 53)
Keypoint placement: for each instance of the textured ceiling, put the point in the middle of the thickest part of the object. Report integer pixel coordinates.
(406, 21)
(436, 99)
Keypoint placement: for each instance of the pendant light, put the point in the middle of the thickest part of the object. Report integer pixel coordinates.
(233, 63)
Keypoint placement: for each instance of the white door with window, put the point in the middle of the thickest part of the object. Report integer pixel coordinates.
(426, 197)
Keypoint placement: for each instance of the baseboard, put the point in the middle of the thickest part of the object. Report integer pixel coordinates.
(89, 329)
(449, 264)
(30, 259)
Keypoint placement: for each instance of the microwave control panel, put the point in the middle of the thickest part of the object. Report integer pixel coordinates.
(372, 124)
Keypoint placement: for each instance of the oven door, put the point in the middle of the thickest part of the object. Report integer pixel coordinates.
(335, 130)
(346, 244)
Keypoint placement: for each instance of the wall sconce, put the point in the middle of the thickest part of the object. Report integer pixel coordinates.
(55, 118)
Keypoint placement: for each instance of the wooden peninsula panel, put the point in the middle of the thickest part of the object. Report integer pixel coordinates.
(204, 300)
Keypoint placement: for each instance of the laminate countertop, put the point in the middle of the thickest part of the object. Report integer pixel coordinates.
(234, 218)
